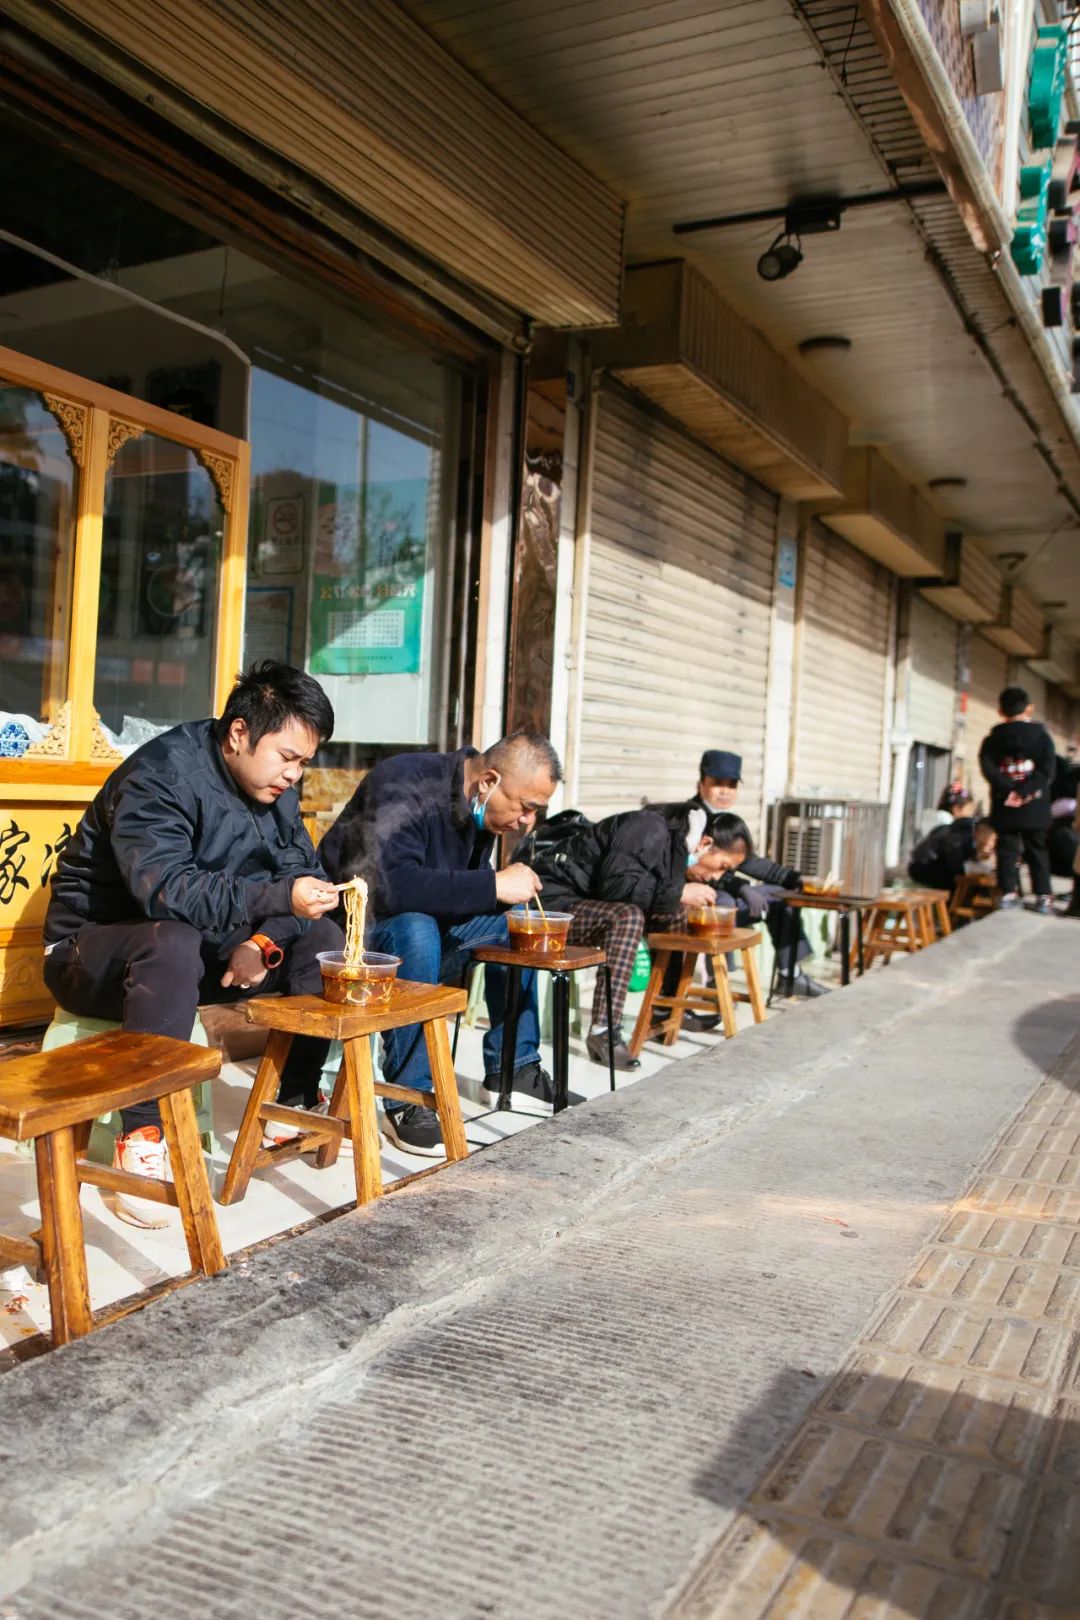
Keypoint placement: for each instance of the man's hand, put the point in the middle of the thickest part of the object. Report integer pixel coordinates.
(1016, 801)
(755, 901)
(516, 884)
(246, 967)
(698, 894)
(313, 897)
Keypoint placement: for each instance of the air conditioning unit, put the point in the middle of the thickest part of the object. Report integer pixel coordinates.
(841, 837)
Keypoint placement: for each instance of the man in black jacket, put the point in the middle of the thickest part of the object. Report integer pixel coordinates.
(1018, 760)
(422, 828)
(629, 871)
(718, 789)
(191, 878)
(940, 860)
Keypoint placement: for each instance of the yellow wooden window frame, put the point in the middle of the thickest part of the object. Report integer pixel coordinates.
(96, 423)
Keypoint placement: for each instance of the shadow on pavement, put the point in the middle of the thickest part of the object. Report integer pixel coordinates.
(928, 1493)
(1045, 1030)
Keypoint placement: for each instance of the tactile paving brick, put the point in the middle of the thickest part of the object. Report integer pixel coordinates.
(938, 1477)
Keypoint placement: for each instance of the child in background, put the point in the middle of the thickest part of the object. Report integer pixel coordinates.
(1018, 760)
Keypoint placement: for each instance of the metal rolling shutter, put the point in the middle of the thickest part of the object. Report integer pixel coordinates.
(843, 669)
(988, 674)
(679, 607)
(932, 681)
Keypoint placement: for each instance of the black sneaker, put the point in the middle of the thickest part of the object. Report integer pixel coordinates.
(1044, 905)
(701, 1023)
(531, 1084)
(414, 1130)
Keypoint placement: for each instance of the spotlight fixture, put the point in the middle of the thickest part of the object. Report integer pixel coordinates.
(809, 216)
(781, 258)
(826, 344)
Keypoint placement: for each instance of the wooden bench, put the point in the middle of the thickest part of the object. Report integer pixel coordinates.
(352, 1111)
(54, 1098)
(719, 998)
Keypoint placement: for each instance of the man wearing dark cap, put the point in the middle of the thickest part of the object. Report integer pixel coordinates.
(718, 789)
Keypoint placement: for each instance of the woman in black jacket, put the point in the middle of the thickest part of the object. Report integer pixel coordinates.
(638, 867)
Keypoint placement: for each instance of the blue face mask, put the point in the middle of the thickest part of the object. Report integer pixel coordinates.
(478, 808)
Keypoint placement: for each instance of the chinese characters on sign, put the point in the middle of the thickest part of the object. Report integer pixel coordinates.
(367, 591)
(12, 860)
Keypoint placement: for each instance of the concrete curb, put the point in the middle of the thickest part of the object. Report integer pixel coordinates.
(108, 1431)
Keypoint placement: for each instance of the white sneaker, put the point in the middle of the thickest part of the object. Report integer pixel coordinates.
(275, 1132)
(142, 1153)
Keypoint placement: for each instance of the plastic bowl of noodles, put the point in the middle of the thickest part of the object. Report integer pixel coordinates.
(708, 920)
(367, 983)
(536, 935)
(819, 886)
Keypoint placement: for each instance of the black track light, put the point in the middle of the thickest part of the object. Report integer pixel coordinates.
(782, 258)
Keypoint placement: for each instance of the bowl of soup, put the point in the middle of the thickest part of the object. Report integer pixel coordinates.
(819, 886)
(536, 935)
(368, 983)
(709, 920)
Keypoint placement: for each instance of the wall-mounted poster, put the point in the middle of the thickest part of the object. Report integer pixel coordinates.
(367, 592)
(268, 628)
(282, 548)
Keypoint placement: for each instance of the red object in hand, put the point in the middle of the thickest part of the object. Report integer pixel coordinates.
(272, 953)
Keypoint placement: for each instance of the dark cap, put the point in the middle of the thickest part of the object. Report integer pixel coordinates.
(721, 766)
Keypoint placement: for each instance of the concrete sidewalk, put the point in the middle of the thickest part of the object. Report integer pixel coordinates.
(550, 1381)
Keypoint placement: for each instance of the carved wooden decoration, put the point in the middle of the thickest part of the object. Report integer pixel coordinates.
(102, 751)
(72, 419)
(54, 745)
(221, 470)
(119, 434)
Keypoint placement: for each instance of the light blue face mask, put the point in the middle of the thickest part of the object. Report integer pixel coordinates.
(478, 808)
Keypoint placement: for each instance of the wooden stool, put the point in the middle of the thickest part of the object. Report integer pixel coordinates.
(55, 1097)
(352, 1106)
(903, 920)
(687, 998)
(936, 922)
(976, 894)
(571, 960)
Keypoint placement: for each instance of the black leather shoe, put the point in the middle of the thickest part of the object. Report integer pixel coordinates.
(809, 988)
(597, 1048)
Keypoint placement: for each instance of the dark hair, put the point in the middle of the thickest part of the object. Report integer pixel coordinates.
(530, 750)
(272, 694)
(956, 793)
(727, 829)
(1013, 701)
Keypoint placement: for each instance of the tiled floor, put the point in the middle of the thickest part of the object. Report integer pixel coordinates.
(124, 1260)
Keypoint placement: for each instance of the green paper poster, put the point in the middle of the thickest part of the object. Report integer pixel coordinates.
(367, 589)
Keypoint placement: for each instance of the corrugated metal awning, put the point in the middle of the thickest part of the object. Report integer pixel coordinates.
(357, 96)
(684, 347)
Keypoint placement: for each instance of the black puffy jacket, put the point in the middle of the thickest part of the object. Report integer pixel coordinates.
(169, 836)
(638, 857)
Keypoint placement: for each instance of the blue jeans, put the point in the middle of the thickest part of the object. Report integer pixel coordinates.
(434, 955)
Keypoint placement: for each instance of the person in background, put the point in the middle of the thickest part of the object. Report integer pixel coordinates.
(940, 859)
(956, 801)
(1061, 840)
(719, 776)
(636, 869)
(421, 829)
(191, 879)
(1018, 760)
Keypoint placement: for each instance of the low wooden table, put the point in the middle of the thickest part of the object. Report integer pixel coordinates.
(976, 895)
(845, 905)
(716, 999)
(571, 960)
(54, 1098)
(352, 1107)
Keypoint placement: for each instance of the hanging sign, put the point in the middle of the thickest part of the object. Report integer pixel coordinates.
(1047, 85)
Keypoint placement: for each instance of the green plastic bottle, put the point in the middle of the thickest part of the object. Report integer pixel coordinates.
(642, 968)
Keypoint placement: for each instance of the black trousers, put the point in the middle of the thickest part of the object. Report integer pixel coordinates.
(1028, 844)
(152, 976)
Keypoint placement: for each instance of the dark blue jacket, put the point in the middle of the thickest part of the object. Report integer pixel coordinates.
(169, 836)
(407, 829)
